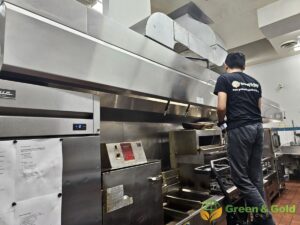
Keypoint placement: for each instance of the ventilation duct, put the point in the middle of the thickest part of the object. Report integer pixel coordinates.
(187, 32)
(88, 2)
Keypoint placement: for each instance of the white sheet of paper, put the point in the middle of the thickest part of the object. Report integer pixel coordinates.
(45, 210)
(7, 218)
(38, 168)
(7, 167)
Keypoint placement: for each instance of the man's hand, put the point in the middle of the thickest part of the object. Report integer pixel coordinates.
(222, 125)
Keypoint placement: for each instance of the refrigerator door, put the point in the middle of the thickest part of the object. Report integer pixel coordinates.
(81, 197)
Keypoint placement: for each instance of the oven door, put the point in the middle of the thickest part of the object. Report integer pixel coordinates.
(133, 195)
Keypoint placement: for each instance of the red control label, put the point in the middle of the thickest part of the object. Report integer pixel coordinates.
(127, 151)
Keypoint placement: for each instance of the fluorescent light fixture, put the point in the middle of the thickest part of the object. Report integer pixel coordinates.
(186, 190)
(178, 103)
(155, 100)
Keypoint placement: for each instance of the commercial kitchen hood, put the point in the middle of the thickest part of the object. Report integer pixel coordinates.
(64, 42)
(94, 53)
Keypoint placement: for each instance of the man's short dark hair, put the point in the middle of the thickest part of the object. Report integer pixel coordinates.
(236, 60)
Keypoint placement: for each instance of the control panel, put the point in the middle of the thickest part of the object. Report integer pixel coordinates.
(79, 126)
(120, 155)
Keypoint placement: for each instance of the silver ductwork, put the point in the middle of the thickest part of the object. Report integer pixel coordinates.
(217, 50)
(88, 2)
(171, 33)
(185, 31)
(193, 11)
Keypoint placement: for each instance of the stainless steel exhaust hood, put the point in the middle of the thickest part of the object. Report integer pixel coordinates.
(38, 47)
(44, 41)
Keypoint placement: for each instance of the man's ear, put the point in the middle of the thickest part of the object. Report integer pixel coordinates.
(226, 67)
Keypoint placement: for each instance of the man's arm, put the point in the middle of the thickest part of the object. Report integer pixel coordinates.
(221, 108)
(259, 103)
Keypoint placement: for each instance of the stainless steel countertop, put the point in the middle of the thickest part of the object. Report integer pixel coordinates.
(290, 150)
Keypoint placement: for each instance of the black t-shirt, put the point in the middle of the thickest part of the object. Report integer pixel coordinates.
(243, 93)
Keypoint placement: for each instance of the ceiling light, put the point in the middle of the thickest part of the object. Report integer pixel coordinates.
(289, 44)
(297, 48)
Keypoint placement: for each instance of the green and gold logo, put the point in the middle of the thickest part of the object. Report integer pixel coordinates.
(211, 210)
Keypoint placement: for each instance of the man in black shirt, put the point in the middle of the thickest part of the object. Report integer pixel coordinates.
(239, 99)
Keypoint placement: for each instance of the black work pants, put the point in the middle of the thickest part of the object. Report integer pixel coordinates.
(245, 147)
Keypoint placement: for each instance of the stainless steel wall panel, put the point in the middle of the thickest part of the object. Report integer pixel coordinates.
(149, 134)
(81, 201)
(154, 136)
(96, 111)
(2, 29)
(131, 103)
(112, 132)
(68, 12)
(105, 65)
(12, 126)
(45, 98)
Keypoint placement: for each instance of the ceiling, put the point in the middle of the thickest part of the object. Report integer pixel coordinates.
(234, 20)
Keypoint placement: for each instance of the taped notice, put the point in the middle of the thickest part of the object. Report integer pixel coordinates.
(7, 168)
(45, 210)
(115, 199)
(38, 168)
(7, 218)
(30, 182)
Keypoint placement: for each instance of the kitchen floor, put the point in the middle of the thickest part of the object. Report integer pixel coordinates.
(291, 196)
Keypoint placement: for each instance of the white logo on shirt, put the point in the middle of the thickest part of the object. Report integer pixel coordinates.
(240, 86)
(236, 84)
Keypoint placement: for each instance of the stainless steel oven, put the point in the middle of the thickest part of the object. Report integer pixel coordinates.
(131, 185)
(192, 148)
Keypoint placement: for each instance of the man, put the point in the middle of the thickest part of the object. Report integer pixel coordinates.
(239, 99)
